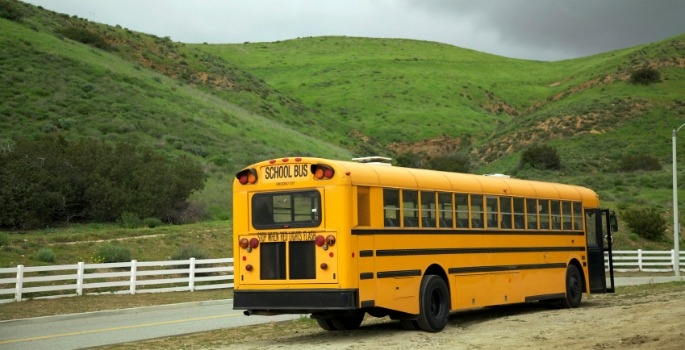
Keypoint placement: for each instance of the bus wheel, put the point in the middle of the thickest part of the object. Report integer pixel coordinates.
(574, 288)
(434, 300)
(348, 322)
(325, 323)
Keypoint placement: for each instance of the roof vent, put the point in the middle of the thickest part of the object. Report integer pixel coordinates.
(373, 160)
(504, 176)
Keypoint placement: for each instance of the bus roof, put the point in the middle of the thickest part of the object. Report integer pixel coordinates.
(374, 175)
(379, 174)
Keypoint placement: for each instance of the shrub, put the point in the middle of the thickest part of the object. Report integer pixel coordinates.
(542, 157)
(46, 255)
(129, 220)
(187, 252)
(649, 223)
(3, 239)
(111, 253)
(10, 11)
(152, 222)
(645, 76)
(85, 36)
(633, 162)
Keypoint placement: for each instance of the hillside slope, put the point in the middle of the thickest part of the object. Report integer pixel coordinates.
(55, 85)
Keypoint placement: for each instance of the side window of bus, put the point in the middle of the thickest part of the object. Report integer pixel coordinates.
(555, 207)
(577, 216)
(410, 208)
(391, 207)
(532, 214)
(492, 211)
(543, 205)
(566, 215)
(505, 209)
(519, 214)
(428, 209)
(476, 211)
(446, 209)
(462, 206)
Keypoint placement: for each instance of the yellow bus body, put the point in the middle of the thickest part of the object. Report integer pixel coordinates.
(380, 269)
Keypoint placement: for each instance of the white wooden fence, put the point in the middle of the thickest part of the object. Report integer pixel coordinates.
(21, 283)
(644, 260)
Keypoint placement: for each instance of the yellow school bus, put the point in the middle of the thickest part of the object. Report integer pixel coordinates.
(342, 239)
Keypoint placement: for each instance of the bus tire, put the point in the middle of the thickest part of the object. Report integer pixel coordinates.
(409, 325)
(325, 324)
(434, 302)
(574, 288)
(348, 322)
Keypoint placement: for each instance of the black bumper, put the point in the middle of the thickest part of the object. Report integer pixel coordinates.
(296, 301)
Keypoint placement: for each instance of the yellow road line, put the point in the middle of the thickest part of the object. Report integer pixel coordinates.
(115, 328)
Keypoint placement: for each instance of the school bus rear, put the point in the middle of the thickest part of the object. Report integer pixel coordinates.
(286, 251)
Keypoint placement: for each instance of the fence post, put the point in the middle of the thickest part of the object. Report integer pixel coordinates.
(20, 282)
(639, 260)
(134, 270)
(79, 279)
(191, 275)
(673, 257)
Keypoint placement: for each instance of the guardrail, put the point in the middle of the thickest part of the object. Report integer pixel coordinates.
(21, 283)
(643, 260)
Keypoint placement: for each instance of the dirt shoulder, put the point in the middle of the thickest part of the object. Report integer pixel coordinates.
(641, 317)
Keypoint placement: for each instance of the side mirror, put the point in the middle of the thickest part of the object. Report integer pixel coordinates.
(613, 221)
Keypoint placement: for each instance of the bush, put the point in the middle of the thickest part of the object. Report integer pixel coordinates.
(152, 222)
(56, 181)
(645, 76)
(187, 252)
(46, 255)
(542, 157)
(129, 220)
(3, 239)
(649, 223)
(85, 36)
(10, 11)
(633, 162)
(112, 253)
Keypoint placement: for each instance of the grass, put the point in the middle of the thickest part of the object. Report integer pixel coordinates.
(81, 242)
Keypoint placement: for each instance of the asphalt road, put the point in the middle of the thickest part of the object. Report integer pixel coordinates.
(75, 331)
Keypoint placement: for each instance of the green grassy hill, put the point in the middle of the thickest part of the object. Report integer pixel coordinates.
(231, 105)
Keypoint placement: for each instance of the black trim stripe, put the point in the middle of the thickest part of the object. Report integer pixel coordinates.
(440, 251)
(401, 273)
(433, 231)
(366, 275)
(545, 297)
(474, 269)
(365, 253)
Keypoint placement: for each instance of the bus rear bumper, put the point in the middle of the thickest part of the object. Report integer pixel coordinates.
(275, 302)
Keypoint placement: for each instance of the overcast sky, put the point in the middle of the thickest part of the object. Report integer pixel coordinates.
(530, 29)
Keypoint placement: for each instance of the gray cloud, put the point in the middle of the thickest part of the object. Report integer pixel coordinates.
(531, 29)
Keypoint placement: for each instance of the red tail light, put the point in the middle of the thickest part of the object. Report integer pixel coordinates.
(244, 243)
(254, 243)
(319, 241)
(322, 172)
(247, 176)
